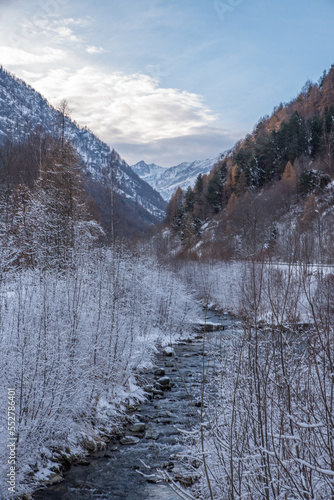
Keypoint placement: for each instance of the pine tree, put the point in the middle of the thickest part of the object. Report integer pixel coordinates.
(328, 131)
(174, 206)
(215, 188)
(189, 200)
(316, 132)
(199, 201)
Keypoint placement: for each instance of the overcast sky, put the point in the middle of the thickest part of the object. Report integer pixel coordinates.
(167, 81)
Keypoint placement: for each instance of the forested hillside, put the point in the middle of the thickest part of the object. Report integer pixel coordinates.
(80, 319)
(271, 195)
(28, 123)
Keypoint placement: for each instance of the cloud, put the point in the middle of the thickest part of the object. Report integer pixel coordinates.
(133, 112)
(205, 142)
(41, 29)
(95, 50)
(55, 30)
(125, 108)
(76, 22)
(23, 58)
(66, 33)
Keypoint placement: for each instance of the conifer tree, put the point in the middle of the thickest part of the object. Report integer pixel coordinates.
(199, 201)
(189, 200)
(175, 205)
(328, 130)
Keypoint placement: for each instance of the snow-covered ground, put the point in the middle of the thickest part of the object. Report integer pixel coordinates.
(282, 290)
(267, 428)
(72, 346)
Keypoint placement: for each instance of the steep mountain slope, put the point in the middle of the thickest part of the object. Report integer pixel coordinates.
(149, 172)
(167, 180)
(22, 109)
(271, 195)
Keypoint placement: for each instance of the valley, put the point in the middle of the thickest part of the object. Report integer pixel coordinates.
(166, 332)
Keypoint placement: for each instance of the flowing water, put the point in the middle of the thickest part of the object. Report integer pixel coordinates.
(113, 473)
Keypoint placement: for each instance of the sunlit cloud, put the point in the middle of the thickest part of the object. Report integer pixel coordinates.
(20, 57)
(41, 29)
(135, 110)
(125, 108)
(75, 22)
(95, 50)
(66, 33)
(58, 29)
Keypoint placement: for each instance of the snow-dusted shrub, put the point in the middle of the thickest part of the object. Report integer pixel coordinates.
(72, 344)
(269, 430)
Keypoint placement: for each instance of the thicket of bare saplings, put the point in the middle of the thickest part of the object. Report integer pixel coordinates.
(269, 407)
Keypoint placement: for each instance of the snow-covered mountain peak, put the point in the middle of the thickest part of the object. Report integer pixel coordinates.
(167, 180)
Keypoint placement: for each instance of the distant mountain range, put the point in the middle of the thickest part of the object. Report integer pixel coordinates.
(22, 110)
(167, 180)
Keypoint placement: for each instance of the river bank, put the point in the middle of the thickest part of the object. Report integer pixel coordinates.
(151, 437)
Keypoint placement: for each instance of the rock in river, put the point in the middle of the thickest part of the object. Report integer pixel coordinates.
(129, 440)
(138, 427)
(159, 372)
(164, 381)
(168, 351)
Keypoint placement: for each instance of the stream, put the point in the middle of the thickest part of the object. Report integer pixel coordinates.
(113, 473)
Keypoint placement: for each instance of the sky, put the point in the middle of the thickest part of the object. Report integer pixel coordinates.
(167, 81)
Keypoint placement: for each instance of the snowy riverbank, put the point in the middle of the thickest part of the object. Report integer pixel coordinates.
(73, 346)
